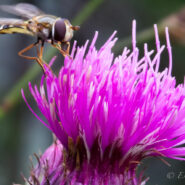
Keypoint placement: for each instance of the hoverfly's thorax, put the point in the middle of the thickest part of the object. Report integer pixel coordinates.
(39, 28)
(43, 32)
(31, 26)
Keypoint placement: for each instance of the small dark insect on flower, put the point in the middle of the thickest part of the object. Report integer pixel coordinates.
(47, 28)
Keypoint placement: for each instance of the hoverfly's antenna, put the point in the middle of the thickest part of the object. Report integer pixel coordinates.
(75, 28)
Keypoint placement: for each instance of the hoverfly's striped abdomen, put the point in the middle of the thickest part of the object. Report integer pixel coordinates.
(10, 29)
(4, 27)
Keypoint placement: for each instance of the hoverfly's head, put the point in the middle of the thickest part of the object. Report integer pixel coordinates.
(63, 30)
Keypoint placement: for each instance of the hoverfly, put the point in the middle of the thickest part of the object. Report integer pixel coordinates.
(47, 28)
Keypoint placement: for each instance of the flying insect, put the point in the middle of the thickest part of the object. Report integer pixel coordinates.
(46, 28)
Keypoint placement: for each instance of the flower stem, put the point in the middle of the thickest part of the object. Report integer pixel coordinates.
(88, 10)
(13, 97)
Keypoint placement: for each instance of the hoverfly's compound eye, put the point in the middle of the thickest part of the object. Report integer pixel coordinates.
(59, 30)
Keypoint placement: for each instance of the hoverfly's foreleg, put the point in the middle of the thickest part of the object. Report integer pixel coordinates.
(40, 51)
(65, 46)
(21, 53)
(62, 51)
(68, 47)
(40, 54)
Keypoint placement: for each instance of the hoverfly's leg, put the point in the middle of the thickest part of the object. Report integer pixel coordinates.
(41, 51)
(63, 52)
(38, 50)
(29, 57)
(65, 46)
(40, 54)
(68, 47)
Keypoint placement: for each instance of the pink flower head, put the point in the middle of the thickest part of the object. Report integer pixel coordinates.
(110, 113)
(49, 166)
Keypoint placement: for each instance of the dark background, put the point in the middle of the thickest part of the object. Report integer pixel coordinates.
(21, 134)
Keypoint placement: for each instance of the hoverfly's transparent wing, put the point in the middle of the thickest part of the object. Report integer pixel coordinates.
(9, 26)
(24, 10)
(10, 21)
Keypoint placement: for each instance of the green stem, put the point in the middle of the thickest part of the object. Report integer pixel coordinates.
(88, 10)
(14, 95)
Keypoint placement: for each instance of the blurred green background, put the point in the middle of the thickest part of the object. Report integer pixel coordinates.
(21, 134)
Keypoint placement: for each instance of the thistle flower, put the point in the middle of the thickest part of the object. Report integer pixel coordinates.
(110, 113)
